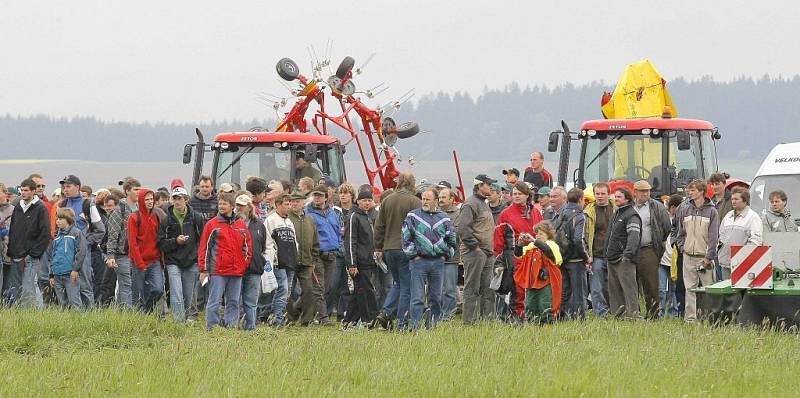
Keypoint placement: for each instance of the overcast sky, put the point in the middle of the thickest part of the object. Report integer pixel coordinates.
(206, 60)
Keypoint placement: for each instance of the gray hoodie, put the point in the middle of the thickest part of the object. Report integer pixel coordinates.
(698, 229)
(778, 222)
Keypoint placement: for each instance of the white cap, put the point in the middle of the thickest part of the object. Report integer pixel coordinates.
(179, 191)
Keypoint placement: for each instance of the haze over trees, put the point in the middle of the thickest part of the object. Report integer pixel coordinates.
(753, 116)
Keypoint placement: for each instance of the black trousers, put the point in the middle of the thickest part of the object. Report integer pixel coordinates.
(363, 305)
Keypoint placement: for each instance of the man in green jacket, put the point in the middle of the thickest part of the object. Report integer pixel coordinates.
(305, 229)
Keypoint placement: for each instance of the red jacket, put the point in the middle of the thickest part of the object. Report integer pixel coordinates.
(143, 235)
(225, 248)
(514, 217)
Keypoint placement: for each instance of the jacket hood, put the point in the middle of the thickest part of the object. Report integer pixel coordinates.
(140, 200)
(786, 213)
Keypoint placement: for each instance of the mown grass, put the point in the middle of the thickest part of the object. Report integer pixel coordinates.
(127, 354)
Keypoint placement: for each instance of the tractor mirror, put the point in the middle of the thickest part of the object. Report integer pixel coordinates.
(187, 153)
(552, 142)
(311, 153)
(683, 141)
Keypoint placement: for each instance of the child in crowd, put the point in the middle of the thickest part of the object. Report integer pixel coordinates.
(67, 252)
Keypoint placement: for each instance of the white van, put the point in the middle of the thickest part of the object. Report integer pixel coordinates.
(780, 170)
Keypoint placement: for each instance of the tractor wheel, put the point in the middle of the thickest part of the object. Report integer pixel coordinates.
(407, 129)
(287, 69)
(345, 66)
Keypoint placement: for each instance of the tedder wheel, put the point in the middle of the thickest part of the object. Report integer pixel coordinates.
(287, 69)
(345, 66)
(407, 129)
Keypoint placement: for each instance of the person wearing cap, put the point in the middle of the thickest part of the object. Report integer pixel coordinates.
(475, 228)
(225, 252)
(308, 248)
(656, 226)
(178, 239)
(204, 201)
(542, 198)
(304, 169)
(389, 246)
(117, 243)
(428, 239)
(505, 193)
(88, 221)
(251, 281)
(512, 176)
(282, 254)
(329, 230)
(536, 173)
(328, 183)
(495, 201)
(28, 238)
(359, 259)
(450, 296)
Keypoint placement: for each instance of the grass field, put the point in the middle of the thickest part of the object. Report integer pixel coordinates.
(110, 353)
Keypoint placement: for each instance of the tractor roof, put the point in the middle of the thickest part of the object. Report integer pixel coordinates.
(647, 123)
(270, 137)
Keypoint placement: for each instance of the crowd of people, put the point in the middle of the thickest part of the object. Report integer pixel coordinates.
(317, 253)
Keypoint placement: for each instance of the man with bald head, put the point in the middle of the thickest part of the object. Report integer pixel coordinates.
(536, 174)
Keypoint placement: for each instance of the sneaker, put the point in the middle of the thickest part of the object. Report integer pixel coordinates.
(383, 320)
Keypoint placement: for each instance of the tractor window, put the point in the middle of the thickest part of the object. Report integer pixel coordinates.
(764, 185)
(628, 157)
(335, 165)
(267, 162)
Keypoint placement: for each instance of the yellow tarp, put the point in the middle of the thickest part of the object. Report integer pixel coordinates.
(640, 93)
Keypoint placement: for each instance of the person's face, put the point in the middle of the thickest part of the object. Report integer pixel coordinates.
(284, 208)
(133, 194)
(544, 200)
(346, 197)
(737, 202)
(429, 201)
(511, 178)
(297, 205)
(70, 190)
(179, 202)
(39, 186)
(777, 204)
(619, 199)
(484, 189)
(494, 196)
(536, 161)
(109, 206)
(162, 201)
(62, 223)
(84, 194)
(319, 200)
(149, 201)
(277, 190)
(505, 196)
(693, 193)
(445, 200)
(300, 163)
(331, 192)
(557, 199)
(224, 207)
(205, 188)
(366, 204)
(259, 198)
(519, 198)
(719, 188)
(601, 196)
(26, 193)
(640, 197)
(243, 210)
(3, 196)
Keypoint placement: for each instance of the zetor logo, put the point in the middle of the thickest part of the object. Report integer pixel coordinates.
(617, 127)
(248, 139)
(787, 160)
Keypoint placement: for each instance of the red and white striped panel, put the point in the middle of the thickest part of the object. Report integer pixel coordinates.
(751, 267)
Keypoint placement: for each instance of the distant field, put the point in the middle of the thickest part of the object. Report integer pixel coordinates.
(109, 354)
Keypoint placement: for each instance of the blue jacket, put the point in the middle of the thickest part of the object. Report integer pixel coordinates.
(428, 234)
(328, 227)
(67, 251)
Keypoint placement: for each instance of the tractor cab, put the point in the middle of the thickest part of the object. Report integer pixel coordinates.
(668, 153)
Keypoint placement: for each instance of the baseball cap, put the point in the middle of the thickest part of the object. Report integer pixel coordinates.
(177, 182)
(122, 181)
(642, 185)
(496, 187)
(297, 195)
(12, 190)
(244, 200)
(507, 187)
(70, 179)
(444, 184)
(320, 190)
(179, 191)
(543, 191)
(327, 181)
(511, 171)
(226, 187)
(483, 178)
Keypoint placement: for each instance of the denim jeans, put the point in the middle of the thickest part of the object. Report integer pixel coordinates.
(68, 292)
(181, 286)
(573, 277)
(251, 289)
(449, 290)
(86, 278)
(231, 288)
(426, 271)
(28, 295)
(599, 286)
(281, 294)
(150, 285)
(124, 272)
(398, 300)
(666, 293)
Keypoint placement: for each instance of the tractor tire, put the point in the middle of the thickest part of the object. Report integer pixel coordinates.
(407, 130)
(287, 69)
(345, 66)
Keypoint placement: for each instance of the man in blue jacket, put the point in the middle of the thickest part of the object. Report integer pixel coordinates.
(330, 242)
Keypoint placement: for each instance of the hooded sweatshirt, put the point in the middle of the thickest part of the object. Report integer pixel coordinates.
(143, 228)
(698, 229)
(778, 222)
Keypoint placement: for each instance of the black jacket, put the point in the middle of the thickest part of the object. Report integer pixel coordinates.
(29, 234)
(359, 246)
(624, 235)
(184, 255)
(258, 236)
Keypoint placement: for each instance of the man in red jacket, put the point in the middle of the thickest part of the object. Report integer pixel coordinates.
(225, 252)
(148, 275)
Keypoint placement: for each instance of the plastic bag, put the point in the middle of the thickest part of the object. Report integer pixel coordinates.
(268, 281)
(497, 280)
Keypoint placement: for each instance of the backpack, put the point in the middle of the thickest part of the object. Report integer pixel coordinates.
(564, 232)
(86, 205)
